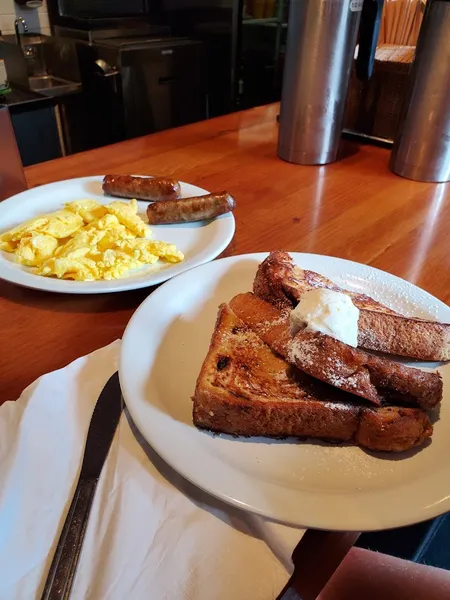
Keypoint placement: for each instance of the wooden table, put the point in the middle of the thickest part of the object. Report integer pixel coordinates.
(354, 208)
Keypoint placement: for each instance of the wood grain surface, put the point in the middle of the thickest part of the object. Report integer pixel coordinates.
(354, 208)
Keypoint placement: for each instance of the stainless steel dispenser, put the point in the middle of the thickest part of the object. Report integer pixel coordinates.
(422, 146)
(322, 36)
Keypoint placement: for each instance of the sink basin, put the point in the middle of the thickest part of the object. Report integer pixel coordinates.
(53, 86)
(30, 37)
(41, 63)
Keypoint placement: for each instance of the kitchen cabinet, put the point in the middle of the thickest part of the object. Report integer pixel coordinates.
(36, 133)
(35, 126)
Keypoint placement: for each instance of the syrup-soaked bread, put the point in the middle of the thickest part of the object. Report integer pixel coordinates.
(245, 389)
(350, 369)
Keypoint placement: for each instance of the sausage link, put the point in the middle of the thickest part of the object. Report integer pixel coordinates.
(188, 210)
(142, 188)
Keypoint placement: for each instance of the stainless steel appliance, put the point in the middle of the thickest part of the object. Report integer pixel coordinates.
(322, 35)
(135, 85)
(422, 147)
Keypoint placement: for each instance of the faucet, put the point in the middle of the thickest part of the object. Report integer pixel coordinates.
(17, 22)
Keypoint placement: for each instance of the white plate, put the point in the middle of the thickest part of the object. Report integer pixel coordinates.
(306, 484)
(200, 242)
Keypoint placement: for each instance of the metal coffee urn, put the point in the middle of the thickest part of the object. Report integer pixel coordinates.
(322, 36)
(422, 146)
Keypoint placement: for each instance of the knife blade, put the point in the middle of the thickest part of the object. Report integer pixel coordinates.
(101, 431)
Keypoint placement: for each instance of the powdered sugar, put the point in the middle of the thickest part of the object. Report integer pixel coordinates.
(300, 352)
(339, 381)
(341, 406)
(265, 326)
(307, 354)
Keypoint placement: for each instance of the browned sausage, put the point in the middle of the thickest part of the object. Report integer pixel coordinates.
(142, 188)
(187, 210)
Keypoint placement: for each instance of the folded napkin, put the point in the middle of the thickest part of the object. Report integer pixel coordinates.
(151, 534)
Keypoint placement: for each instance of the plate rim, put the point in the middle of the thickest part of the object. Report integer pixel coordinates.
(47, 284)
(437, 508)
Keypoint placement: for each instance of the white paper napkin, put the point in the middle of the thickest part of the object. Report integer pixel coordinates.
(151, 534)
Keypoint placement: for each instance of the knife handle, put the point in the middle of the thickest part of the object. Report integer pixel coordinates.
(316, 558)
(62, 570)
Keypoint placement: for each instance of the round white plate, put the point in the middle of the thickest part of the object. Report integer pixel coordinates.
(302, 483)
(200, 242)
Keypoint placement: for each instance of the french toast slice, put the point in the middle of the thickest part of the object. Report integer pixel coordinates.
(282, 283)
(350, 369)
(245, 389)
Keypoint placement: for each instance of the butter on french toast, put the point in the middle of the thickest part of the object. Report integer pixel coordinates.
(350, 369)
(282, 283)
(245, 389)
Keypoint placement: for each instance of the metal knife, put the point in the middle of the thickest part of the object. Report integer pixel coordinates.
(103, 424)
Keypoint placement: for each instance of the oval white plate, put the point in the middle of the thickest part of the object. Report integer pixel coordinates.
(302, 483)
(200, 242)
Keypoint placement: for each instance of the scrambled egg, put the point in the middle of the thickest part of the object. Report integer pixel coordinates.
(87, 241)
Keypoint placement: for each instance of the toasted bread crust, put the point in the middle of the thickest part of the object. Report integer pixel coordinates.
(394, 334)
(280, 282)
(325, 358)
(390, 429)
(392, 426)
(245, 389)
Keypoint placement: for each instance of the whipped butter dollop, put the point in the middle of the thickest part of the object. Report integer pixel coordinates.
(329, 312)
